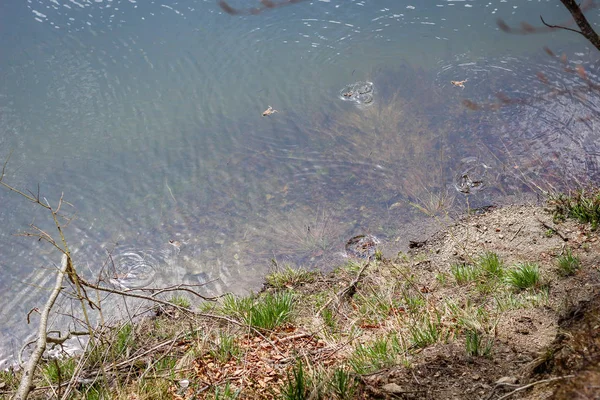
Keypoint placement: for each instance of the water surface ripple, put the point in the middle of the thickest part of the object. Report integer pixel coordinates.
(147, 116)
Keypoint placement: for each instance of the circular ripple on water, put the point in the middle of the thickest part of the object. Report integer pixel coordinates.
(362, 246)
(359, 92)
(544, 124)
(134, 268)
(472, 176)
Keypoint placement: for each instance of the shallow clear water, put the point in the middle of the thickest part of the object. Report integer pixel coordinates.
(147, 116)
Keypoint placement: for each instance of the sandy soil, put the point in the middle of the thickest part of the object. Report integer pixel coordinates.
(532, 345)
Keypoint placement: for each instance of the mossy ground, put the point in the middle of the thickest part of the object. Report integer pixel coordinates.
(455, 319)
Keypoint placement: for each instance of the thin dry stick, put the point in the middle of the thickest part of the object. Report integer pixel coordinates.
(506, 396)
(69, 269)
(76, 373)
(517, 233)
(25, 385)
(90, 285)
(347, 289)
(155, 361)
(553, 229)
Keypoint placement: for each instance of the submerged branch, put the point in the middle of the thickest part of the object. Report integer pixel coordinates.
(266, 5)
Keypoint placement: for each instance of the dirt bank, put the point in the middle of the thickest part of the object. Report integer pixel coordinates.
(499, 305)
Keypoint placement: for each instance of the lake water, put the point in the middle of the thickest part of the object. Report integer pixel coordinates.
(147, 116)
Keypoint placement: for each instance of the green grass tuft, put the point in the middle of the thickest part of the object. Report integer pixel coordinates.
(343, 384)
(464, 273)
(225, 392)
(442, 278)
(181, 301)
(266, 312)
(582, 204)
(59, 371)
(125, 339)
(568, 264)
(96, 392)
(290, 277)
(524, 276)
(297, 386)
(427, 331)
(491, 264)
(226, 349)
(475, 344)
(376, 355)
(329, 319)
(9, 379)
(414, 303)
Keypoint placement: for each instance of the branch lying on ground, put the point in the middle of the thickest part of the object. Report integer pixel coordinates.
(506, 396)
(553, 229)
(348, 290)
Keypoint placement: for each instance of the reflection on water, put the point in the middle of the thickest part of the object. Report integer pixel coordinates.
(147, 116)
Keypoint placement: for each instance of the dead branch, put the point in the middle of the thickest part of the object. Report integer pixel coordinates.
(60, 340)
(559, 26)
(577, 12)
(586, 29)
(25, 385)
(506, 396)
(177, 288)
(100, 288)
(553, 229)
(348, 290)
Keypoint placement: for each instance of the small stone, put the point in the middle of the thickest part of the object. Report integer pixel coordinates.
(476, 377)
(393, 388)
(184, 383)
(500, 236)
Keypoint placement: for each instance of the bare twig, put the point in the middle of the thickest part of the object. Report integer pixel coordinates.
(559, 26)
(506, 396)
(181, 288)
(100, 288)
(60, 340)
(25, 385)
(586, 29)
(553, 229)
(348, 290)
(517, 233)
